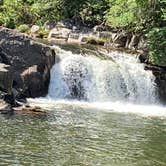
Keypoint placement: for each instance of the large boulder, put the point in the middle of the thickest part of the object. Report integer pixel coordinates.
(29, 60)
(6, 82)
(6, 79)
(59, 33)
(160, 74)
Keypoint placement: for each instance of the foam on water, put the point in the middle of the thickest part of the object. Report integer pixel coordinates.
(120, 84)
(118, 107)
(92, 79)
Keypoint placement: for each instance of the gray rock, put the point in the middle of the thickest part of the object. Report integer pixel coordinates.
(160, 74)
(59, 33)
(134, 42)
(142, 44)
(50, 24)
(23, 54)
(106, 35)
(6, 79)
(66, 23)
(119, 39)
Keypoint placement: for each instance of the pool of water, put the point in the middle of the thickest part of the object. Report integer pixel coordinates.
(82, 136)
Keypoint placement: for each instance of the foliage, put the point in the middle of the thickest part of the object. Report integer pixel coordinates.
(121, 13)
(157, 46)
(84, 11)
(23, 28)
(138, 16)
(43, 33)
(16, 12)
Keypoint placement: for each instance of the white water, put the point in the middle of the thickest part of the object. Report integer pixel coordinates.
(92, 79)
(120, 84)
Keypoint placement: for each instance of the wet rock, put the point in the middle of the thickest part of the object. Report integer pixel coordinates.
(160, 74)
(66, 23)
(23, 53)
(143, 57)
(32, 80)
(142, 44)
(119, 39)
(6, 79)
(4, 58)
(59, 33)
(105, 35)
(30, 110)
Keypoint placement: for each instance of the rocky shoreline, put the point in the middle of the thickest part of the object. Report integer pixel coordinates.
(25, 63)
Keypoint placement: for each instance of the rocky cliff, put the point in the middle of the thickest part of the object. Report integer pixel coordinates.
(24, 66)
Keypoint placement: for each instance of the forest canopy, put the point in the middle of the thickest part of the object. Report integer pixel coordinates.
(138, 16)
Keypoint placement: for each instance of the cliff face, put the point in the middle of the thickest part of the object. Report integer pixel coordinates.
(160, 74)
(28, 64)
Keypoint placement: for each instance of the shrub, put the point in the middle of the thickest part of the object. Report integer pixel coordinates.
(23, 28)
(43, 33)
(157, 46)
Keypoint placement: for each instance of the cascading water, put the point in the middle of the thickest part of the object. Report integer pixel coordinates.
(89, 78)
(119, 83)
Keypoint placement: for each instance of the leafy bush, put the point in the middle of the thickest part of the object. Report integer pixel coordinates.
(121, 13)
(23, 28)
(157, 46)
(17, 12)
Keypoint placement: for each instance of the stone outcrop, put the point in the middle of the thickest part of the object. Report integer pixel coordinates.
(160, 74)
(6, 79)
(28, 61)
(68, 31)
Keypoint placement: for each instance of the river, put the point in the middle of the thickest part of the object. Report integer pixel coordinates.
(99, 113)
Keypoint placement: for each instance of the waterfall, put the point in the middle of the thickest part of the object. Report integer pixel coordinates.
(90, 78)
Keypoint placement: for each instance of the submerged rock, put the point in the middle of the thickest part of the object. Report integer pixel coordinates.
(32, 110)
(4, 107)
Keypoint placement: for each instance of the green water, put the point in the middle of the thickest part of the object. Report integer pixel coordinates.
(82, 137)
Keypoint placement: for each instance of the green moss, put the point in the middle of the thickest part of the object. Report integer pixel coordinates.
(23, 28)
(43, 33)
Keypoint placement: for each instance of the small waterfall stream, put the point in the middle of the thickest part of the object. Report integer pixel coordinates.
(92, 79)
(116, 83)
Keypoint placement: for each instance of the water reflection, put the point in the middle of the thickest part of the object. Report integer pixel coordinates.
(75, 136)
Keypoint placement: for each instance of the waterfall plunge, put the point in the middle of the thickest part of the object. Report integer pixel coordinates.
(91, 79)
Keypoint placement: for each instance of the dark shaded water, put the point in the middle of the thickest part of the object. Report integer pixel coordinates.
(72, 135)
